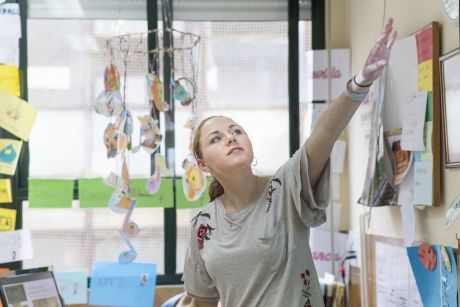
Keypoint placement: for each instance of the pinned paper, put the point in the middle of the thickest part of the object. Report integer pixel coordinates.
(16, 115)
(163, 198)
(437, 286)
(425, 76)
(5, 191)
(7, 219)
(427, 155)
(9, 155)
(72, 287)
(9, 51)
(405, 199)
(453, 212)
(413, 122)
(46, 193)
(9, 79)
(423, 176)
(16, 245)
(10, 20)
(114, 284)
(93, 193)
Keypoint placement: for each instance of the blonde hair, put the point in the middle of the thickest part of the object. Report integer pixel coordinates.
(215, 188)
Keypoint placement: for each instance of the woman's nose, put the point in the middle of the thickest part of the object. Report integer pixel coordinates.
(230, 139)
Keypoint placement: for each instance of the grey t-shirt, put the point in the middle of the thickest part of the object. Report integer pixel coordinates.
(261, 255)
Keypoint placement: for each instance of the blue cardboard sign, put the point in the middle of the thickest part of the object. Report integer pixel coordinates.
(125, 285)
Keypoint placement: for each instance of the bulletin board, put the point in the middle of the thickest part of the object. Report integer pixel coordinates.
(413, 68)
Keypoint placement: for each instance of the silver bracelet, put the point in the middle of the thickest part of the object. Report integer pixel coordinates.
(358, 97)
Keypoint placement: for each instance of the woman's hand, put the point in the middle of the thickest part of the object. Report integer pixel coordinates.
(378, 55)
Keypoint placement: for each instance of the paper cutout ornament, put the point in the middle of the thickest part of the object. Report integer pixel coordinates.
(151, 136)
(111, 78)
(155, 92)
(193, 180)
(427, 256)
(109, 103)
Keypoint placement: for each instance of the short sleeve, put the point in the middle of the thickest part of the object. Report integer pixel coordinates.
(197, 282)
(310, 202)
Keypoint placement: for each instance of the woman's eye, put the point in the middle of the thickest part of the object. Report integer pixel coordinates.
(215, 139)
(237, 132)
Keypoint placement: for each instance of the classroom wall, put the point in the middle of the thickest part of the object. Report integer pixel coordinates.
(364, 20)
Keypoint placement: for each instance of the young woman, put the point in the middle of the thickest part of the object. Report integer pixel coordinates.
(249, 245)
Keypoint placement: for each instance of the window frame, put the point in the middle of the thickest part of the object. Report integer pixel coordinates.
(20, 179)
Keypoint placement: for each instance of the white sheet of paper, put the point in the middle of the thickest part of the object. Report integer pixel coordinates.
(423, 180)
(10, 20)
(405, 196)
(15, 245)
(9, 51)
(413, 122)
(338, 156)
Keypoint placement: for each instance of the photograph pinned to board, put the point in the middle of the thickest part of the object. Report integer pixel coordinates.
(450, 90)
(401, 160)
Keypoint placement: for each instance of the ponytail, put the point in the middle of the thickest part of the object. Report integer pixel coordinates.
(215, 189)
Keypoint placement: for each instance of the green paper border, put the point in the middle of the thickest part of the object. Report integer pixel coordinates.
(161, 199)
(50, 193)
(94, 193)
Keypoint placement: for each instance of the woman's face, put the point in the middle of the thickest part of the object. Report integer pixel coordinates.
(225, 146)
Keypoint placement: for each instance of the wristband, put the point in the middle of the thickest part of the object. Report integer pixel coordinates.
(358, 97)
(361, 85)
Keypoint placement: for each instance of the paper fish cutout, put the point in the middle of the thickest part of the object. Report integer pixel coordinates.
(8, 154)
(193, 181)
(153, 183)
(155, 92)
(124, 127)
(111, 78)
(109, 103)
(151, 136)
(184, 90)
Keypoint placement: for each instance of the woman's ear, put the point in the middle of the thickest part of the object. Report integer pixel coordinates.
(203, 166)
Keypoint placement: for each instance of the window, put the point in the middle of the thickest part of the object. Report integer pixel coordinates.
(241, 73)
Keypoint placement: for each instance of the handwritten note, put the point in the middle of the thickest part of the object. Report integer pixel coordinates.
(5, 191)
(424, 41)
(72, 286)
(413, 122)
(16, 245)
(9, 79)
(7, 219)
(10, 20)
(9, 155)
(114, 284)
(423, 191)
(50, 193)
(16, 115)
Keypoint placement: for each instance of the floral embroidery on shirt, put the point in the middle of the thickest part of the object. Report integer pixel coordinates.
(306, 291)
(195, 219)
(203, 233)
(271, 189)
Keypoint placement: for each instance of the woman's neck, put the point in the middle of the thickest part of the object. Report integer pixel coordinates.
(241, 191)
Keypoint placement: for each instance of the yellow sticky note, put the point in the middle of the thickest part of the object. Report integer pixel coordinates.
(425, 76)
(7, 219)
(16, 115)
(9, 155)
(9, 79)
(5, 191)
